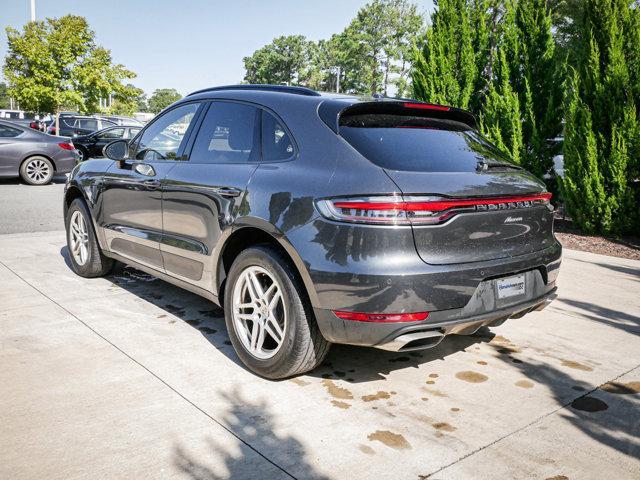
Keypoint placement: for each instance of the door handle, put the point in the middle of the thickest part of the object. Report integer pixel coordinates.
(151, 184)
(228, 191)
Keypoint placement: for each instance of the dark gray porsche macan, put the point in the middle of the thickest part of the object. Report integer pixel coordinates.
(316, 219)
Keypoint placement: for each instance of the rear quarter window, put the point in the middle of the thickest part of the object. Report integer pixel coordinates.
(414, 143)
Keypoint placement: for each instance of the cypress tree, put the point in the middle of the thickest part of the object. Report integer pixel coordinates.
(444, 70)
(607, 94)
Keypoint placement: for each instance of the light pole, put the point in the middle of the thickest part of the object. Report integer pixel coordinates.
(337, 69)
(33, 10)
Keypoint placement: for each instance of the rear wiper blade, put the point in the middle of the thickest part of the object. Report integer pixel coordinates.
(484, 166)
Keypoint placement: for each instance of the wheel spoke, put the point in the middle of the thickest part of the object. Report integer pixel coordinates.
(274, 329)
(255, 283)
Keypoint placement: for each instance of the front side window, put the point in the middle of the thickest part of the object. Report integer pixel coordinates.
(9, 132)
(277, 145)
(162, 139)
(229, 134)
(113, 133)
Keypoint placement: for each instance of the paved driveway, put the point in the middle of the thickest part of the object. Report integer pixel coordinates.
(129, 377)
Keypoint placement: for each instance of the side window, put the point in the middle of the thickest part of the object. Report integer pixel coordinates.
(133, 132)
(113, 133)
(162, 138)
(228, 134)
(9, 132)
(89, 124)
(277, 145)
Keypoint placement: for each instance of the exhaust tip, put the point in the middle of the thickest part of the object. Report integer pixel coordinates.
(414, 341)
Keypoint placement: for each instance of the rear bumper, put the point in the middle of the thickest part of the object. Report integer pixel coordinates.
(421, 335)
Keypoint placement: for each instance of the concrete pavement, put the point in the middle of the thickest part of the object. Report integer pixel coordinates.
(129, 377)
(27, 208)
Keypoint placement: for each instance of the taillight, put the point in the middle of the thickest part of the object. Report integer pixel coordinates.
(381, 317)
(66, 146)
(396, 210)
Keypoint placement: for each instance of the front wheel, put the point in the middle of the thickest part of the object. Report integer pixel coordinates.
(268, 318)
(87, 259)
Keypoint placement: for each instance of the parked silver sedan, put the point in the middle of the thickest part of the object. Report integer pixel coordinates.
(32, 155)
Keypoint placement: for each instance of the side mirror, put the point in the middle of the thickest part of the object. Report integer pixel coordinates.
(116, 150)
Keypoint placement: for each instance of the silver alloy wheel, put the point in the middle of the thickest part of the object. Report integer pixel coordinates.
(38, 170)
(81, 155)
(79, 238)
(259, 313)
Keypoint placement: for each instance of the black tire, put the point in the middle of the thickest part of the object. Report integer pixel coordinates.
(97, 264)
(303, 347)
(33, 169)
(83, 154)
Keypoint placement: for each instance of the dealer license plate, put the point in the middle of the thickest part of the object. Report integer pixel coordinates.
(510, 286)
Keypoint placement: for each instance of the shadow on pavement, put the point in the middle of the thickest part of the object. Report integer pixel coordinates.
(353, 364)
(634, 272)
(609, 414)
(18, 181)
(253, 423)
(608, 316)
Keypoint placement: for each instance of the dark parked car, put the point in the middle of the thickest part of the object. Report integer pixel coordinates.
(91, 145)
(316, 219)
(33, 155)
(122, 120)
(74, 125)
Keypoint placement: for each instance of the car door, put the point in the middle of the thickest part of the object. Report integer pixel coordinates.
(131, 215)
(10, 150)
(201, 197)
(85, 126)
(101, 139)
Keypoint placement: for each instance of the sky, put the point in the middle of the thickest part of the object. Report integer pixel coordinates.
(190, 44)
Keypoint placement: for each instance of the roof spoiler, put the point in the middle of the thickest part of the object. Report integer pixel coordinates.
(331, 111)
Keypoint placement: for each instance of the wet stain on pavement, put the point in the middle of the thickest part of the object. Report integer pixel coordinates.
(443, 427)
(455, 409)
(207, 330)
(578, 388)
(376, 396)
(339, 374)
(589, 404)
(471, 376)
(430, 382)
(340, 404)
(300, 382)
(227, 342)
(622, 388)
(174, 309)
(524, 384)
(576, 365)
(164, 315)
(400, 359)
(366, 449)
(211, 313)
(434, 392)
(193, 323)
(433, 375)
(390, 439)
(336, 391)
(558, 477)
(481, 362)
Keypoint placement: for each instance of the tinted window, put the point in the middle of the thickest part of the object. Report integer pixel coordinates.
(113, 133)
(161, 140)
(9, 132)
(276, 142)
(228, 134)
(88, 123)
(418, 143)
(133, 132)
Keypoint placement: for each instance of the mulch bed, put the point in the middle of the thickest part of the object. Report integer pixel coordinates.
(625, 247)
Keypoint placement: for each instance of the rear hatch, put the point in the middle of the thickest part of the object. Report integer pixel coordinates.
(468, 202)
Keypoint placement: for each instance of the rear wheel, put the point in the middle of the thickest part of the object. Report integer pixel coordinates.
(87, 260)
(268, 318)
(36, 170)
(83, 154)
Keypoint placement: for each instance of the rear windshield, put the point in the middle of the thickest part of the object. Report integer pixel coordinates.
(414, 143)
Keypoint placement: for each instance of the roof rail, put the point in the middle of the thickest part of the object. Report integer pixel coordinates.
(265, 87)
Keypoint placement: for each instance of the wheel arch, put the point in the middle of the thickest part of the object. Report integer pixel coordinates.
(247, 236)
